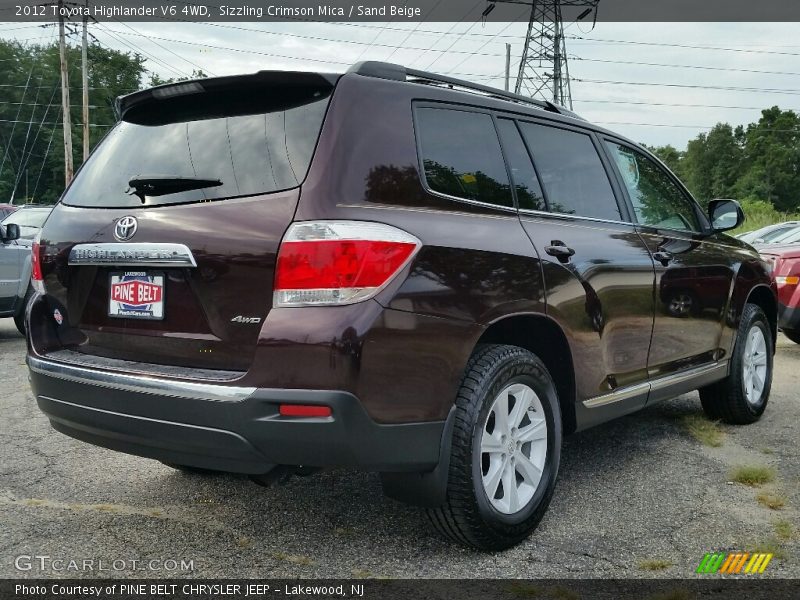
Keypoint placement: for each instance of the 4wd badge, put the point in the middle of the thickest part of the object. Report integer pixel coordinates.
(241, 319)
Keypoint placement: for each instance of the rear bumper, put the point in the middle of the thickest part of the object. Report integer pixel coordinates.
(221, 426)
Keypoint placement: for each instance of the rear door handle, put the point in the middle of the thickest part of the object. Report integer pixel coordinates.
(663, 257)
(560, 250)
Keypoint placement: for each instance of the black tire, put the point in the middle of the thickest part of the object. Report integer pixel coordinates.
(19, 318)
(792, 335)
(726, 400)
(188, 469)
(467, 515)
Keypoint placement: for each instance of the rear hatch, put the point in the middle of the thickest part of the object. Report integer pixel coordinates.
(163, 248)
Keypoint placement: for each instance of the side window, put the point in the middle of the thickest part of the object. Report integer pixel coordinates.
(656, 200)
(573, 176)
(461, 155)
(529, 192)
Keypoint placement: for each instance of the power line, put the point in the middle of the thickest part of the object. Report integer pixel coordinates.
(677, 66)
(727, 88)
(687, 46)
(53, 124)
(183, 58)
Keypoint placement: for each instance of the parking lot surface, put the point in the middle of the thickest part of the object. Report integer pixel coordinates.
(638, 497)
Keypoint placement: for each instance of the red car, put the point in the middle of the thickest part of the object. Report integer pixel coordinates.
(785, 262)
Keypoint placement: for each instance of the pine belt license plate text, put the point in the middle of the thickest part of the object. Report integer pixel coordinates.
(136, 295)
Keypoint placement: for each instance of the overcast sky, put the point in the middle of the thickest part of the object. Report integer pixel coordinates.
(477, 52)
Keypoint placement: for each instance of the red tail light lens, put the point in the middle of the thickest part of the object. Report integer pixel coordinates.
(339, 262)
(37, 279)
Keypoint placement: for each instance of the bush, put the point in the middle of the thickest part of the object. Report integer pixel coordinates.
(759, 213)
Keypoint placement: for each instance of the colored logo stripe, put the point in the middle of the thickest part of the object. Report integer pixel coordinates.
(734, 562)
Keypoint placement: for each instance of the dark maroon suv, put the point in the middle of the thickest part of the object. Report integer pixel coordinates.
(387, 270)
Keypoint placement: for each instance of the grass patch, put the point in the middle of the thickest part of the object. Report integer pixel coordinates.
(772, 501)
(769, 546)
(708, 433)
(752, 475)
(655, 564)
(767, 451)
(783, 529)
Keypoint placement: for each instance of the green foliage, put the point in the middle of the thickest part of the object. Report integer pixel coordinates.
(759, 165)
(35, 151)
(759, 213)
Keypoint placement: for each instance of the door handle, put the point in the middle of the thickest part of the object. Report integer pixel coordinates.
(560, 250)
(663, 257)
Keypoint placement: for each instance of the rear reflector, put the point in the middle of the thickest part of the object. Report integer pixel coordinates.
(304, 410)
(339, 262)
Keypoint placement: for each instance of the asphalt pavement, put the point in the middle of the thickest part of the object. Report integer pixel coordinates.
(638, 497)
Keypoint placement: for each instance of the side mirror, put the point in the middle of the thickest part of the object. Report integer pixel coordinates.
(725, 214)
(10, 232)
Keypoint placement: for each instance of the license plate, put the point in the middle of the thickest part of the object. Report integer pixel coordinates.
(136, 295)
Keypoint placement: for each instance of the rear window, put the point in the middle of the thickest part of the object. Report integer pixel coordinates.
(259, 149)
(29, 217)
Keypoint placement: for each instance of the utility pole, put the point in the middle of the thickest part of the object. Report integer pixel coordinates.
(85, 77)
(65, 96)
(508, 65)
(543, 67)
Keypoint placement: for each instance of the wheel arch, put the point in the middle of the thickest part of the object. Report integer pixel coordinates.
(764, 297)
(542, 336)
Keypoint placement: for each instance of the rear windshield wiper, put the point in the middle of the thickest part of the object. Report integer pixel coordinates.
(161, 185)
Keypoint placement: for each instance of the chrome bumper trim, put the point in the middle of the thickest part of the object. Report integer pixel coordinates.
(139, 383)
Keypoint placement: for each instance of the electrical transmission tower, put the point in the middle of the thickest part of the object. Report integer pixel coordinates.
(543, 68)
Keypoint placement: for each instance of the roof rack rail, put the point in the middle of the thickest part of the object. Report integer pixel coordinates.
(396, 72)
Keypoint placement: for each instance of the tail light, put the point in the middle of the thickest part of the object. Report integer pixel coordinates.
(339, 262)
(37, 279)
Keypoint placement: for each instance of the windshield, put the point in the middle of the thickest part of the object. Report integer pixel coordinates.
(252, 153)
(28, 217)
(785, 236)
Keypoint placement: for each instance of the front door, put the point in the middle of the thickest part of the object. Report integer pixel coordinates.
(694, 272)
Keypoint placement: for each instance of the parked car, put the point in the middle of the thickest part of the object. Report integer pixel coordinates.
(6, 209)
(785, 261)
(765, 235)
(15, 274)
(787, 238)
(29, 219)
(388, 270)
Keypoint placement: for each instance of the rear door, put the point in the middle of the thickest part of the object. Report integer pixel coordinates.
(598, 272)
(179, 271)
(694, 272)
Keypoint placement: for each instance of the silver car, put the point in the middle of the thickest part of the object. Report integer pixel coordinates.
(17, 231)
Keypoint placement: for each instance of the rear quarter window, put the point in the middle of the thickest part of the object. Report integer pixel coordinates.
(461, 155)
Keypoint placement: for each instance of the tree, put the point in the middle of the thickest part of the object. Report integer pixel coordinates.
(31, 138)
(772, 151)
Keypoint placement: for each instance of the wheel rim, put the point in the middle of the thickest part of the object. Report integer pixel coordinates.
(755, 365)
(513, 448)
(680, 304)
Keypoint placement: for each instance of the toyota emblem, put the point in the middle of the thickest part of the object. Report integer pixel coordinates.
(125, 228)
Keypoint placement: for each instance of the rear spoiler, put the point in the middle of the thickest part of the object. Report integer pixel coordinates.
(157, 102)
